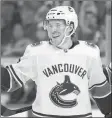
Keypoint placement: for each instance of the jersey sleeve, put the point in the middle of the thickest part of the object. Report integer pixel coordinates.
(24, 69)
(98, 84)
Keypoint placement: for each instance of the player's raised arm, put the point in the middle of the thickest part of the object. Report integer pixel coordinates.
(15, 75)
(99, 86)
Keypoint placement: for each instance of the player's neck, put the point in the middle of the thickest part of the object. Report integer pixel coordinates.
(67, 44)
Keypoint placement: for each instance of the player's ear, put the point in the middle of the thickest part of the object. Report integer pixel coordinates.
(70, 28)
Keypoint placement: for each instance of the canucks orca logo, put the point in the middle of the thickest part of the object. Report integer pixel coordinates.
(62, 91)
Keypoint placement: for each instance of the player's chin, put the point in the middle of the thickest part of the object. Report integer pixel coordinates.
(56, 44)
(56, 41)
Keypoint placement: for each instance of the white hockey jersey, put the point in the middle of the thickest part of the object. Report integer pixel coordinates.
(64, 78)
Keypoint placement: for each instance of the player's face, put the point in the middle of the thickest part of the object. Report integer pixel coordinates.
(56, 30)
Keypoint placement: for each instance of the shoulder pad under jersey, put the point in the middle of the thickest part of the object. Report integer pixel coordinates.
(90, 49)
(29, 48)
(32, 48)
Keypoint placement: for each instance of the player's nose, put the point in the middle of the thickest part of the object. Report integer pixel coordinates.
(54, 29)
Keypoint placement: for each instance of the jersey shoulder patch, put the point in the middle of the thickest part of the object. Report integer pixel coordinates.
(36, 44)
(92, 45)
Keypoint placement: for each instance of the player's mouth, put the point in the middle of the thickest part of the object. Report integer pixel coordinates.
(55, 36)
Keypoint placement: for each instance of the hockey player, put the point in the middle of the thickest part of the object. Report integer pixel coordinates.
(64, 69)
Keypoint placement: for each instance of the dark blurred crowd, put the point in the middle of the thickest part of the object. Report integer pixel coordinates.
(21, 23)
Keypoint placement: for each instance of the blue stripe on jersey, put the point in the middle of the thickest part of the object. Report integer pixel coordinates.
(88, 115)
(97, 85)
(101, 91)
(14, 73)
(23, 109)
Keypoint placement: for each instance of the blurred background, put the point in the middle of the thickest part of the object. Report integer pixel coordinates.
(21, 24)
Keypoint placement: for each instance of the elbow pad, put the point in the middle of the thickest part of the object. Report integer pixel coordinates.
(5, 79)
